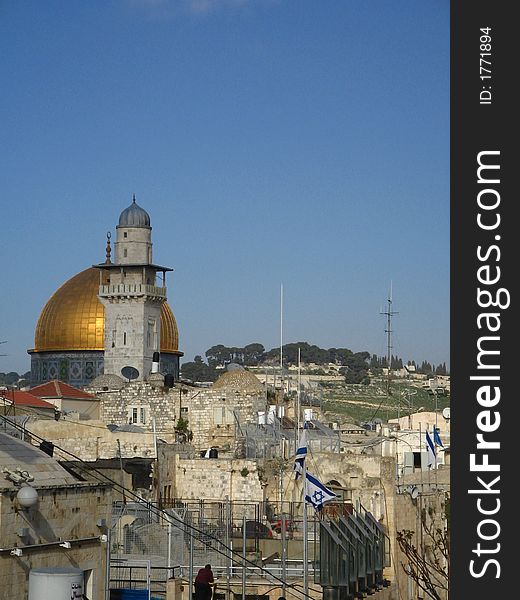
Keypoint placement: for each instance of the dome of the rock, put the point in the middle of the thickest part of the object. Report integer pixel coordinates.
(74, 318)
(69, 337)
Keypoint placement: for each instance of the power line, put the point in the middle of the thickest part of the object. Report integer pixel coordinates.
(92, 472)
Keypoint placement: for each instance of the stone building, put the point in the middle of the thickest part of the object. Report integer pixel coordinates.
(114, 311)
(214, 415)
(67, 399)
(23, 404)
(185, 475)
(217, 415)
(63, 527)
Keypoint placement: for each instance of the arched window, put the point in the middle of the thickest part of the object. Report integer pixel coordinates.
(344, 493)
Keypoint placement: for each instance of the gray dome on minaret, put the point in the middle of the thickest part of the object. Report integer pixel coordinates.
(134, 216)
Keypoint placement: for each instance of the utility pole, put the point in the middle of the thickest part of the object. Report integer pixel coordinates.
(389, 313)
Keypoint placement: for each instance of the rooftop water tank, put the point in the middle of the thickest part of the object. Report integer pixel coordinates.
(308, 414)
(55, 583)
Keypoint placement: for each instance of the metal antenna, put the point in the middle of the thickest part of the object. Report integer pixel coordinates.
(389, 314)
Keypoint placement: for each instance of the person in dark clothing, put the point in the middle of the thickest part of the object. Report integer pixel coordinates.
(203, 583)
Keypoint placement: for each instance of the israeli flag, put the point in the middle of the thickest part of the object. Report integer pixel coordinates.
(301, 453)
(316, 494)
(430, 449)
(437, 437)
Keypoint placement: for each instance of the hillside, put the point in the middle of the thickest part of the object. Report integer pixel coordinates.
(358, 403)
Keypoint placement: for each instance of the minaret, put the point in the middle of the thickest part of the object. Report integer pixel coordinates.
(132, 297)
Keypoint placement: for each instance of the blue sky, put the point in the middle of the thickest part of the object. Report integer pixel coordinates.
(295, 141)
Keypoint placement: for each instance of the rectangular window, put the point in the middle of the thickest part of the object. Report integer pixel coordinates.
(223, 416)
(88, 584)
(137, 415)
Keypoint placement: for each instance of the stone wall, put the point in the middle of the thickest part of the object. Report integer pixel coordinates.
(209, 479)
(92, 440)
(158, 402)
(424, 421)
(214, 416)
(408, 517)
(127, 319)
(63, 513)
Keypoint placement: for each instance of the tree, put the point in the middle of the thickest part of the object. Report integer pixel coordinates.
(218, 355)
(441, 369)
(253, 354)
(9, 378)
(429, 565)
(198, 370)
(357, 368)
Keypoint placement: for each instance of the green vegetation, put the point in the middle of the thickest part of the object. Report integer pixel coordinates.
(198, 370)
(356, 367)
(13, 378)
(359, 403)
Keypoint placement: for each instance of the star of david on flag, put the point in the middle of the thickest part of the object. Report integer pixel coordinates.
(301, 453)
(316, 494)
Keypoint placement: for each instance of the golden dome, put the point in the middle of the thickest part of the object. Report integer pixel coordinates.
(74, 318)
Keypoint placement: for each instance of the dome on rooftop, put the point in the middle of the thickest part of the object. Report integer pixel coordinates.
(134, 216)
(108, 381)
(239, 380)
(74, 318)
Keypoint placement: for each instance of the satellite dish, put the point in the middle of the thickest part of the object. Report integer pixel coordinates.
(414, 492)
(130, 373)
(446, 413)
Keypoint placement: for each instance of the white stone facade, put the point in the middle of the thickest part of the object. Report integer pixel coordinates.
(132, 299)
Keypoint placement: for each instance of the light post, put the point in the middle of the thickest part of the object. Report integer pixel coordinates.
(408, 393)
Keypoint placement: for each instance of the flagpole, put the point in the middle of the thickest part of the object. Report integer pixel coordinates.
(434, 442)
(298, 397)
(305, 536)
(281, 338)
(420, 452)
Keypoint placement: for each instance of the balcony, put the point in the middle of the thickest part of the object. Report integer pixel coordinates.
(132, 290)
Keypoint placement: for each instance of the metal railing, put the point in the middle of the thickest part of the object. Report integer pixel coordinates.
(132, 289)
(192, 533)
